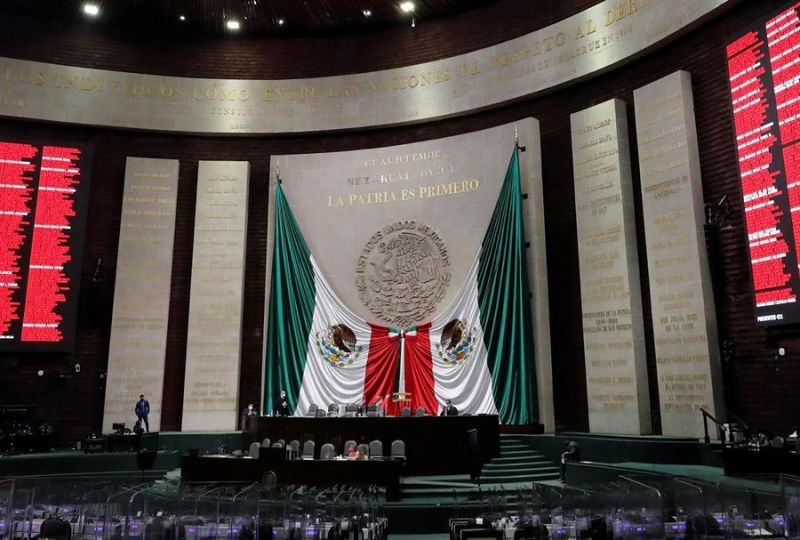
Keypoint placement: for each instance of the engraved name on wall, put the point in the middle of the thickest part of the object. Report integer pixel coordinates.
(601, 36)
(211, 384)
(142, 290)
(684, 322)
(613, 334)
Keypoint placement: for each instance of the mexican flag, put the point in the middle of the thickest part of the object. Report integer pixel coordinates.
(478, 352)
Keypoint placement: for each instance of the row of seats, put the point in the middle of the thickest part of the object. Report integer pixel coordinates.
(352, 410)
(327, 451)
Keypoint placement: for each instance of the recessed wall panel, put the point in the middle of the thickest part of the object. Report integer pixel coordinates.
(142, 290)
(613, 334)
(211, 385)
(681, 296)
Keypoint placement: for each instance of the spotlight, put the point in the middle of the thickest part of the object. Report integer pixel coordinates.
(40, 373)
(182, 18)
(367, 12)
(281, 21)
(413, 23)
(407, 7)
(233, 25)
(93, 10)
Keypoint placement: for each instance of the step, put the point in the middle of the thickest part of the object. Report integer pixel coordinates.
(519, 467)
(510, 465)
(517, 459)
(513, 453)
(511, 447)
(520, 472)
(521, 477)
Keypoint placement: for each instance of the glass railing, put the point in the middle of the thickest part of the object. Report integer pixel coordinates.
(126, 508)
(638, 506)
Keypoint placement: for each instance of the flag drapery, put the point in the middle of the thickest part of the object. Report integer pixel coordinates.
(478, 352)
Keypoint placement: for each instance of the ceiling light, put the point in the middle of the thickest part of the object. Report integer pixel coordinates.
(407, 7)
(182, 17)
(281, 21)
(367, 12)
(92, 10)
(233, 24)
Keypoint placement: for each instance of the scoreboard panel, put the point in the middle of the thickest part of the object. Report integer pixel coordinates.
(44, 195)
(764, 71)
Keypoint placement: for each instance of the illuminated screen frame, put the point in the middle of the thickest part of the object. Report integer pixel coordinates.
(47, 174)
(766, 119)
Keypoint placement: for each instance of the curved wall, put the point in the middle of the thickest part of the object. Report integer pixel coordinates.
(759, 388)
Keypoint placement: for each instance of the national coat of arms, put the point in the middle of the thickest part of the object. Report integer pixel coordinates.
(337, 345)
(402, 273)
(456, 344)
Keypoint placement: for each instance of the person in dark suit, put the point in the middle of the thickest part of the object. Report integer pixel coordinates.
(573, 453)
(281, 407)
(250, 410)
(449, 409)
(142, 409)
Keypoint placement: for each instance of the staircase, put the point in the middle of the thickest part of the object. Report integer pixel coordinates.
(518, 462)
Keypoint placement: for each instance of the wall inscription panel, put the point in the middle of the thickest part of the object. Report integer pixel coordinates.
(602, 36)
(142, 290)
(211, 385)
(684, 322)
(613, 333)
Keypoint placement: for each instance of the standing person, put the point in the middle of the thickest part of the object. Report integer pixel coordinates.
(573, 453)
(282, 405)
(250, 410)
(142, 409)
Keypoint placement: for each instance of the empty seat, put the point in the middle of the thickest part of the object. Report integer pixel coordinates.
(266, 443)
(254, 449)
(376, 450)
(308, 450)
(405, 411)
(294, 445)
(312, 410)
(333, 409)
(348, 445)
(326, 452)
(398, 450)
(277, 444)
(351, 410)
(420, 411)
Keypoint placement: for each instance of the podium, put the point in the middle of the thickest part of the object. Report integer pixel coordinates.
(401, 400)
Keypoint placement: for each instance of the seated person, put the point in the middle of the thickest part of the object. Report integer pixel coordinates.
(449, 409)
(137, 428)
(355, 455)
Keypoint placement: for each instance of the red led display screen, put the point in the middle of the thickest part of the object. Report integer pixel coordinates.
(764, 75)
(44, 193)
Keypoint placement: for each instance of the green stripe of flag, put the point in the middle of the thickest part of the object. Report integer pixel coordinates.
(291, 306)
(504, 302)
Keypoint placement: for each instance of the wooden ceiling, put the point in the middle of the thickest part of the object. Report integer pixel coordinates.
(257, 17)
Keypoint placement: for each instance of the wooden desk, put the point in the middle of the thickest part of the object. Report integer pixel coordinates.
(434, 444)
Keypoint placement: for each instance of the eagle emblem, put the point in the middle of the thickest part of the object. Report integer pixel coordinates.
(456, 344)
(338, 346)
